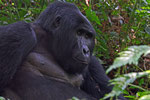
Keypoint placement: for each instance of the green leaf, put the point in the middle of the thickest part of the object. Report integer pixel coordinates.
(146, 97)
(1, 98)
(140, 94)
(130, 56)
(91, 15)
(75, 98)
(120, 83)
(1, 2)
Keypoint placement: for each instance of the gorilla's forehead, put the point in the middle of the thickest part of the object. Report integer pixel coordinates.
(86, 24)
(76, 19)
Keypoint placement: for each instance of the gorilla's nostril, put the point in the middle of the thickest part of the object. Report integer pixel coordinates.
(85, 50)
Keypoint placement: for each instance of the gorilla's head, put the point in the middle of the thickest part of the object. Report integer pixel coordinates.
(70, 36)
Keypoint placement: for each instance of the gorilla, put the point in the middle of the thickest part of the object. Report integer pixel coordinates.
(51, 58)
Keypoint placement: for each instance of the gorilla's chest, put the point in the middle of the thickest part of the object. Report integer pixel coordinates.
(39, 78)
(44, 65)
(29, 86)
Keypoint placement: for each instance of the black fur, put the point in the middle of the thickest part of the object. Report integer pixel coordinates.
(96, 81)
(71, 20)
(16, 41)
(63, 23)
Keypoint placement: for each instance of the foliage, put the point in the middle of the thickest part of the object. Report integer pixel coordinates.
(146, 97)
(74, 98)
(16, 10)
(1, 98)
(120, 83)
(130, 56)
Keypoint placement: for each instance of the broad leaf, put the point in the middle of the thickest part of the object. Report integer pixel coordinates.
(130, 56)
(122, 82)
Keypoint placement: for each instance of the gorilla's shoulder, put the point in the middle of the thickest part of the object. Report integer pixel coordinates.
(20, 27)
(20, 31)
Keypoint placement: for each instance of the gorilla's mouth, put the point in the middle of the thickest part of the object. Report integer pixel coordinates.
(84, 61)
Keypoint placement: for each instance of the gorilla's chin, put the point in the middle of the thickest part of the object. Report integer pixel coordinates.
(74, 67)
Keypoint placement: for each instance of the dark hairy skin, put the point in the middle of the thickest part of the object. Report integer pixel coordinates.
(51, 58)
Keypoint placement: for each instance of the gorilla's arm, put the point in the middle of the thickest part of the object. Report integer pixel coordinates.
(16, 41)
(96, 82)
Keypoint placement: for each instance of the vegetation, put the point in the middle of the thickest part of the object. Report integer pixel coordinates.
(130, 56)
(121, 25)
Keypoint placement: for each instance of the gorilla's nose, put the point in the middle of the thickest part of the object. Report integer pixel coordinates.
(86, 51)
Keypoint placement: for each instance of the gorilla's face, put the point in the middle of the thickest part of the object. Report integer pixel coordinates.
(74, 42)
(70, 38)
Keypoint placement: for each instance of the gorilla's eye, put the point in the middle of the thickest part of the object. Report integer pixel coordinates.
(79, 33)
(88, 35)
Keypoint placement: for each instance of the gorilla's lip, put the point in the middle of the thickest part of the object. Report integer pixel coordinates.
(81, 60)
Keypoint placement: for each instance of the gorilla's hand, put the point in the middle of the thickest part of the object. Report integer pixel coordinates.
(96, 82)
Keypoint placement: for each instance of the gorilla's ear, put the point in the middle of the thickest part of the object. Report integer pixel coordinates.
(57, 21)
